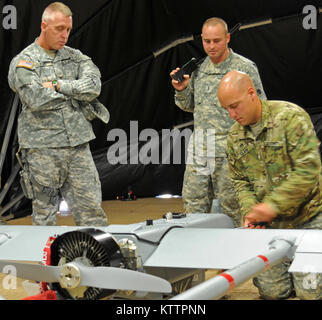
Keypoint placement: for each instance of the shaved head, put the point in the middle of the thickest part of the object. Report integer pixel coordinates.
(237, 94)
(235, 80)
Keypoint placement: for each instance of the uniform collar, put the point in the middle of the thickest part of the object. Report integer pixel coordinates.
(267, 122)
(42, 53)
(222, 67)
(267, 119)
(61, 54)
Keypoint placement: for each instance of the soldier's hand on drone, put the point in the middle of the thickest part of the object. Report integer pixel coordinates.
(260, 216)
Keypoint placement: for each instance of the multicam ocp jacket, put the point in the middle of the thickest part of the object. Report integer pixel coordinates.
(280, 167)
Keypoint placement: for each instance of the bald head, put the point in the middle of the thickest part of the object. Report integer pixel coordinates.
(237, 94)
(234, 81)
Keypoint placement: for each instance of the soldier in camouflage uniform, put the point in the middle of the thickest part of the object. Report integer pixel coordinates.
(275, 165)
(58, 86)
(206, 176)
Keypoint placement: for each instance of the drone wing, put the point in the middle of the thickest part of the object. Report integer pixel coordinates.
(308, 255)
(227, 248)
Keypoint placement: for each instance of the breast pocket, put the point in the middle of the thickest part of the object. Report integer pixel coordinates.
(46, 72)
(276, 159)
(247, 162)
(206, 88)
(70, 69)
(274, 151)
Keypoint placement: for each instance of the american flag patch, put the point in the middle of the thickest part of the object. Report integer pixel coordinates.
(25, 64)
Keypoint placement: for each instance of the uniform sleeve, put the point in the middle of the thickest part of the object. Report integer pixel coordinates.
(185, 99)
(244, 190)
(88, 85)
(26, 83)
(253, 73)
(303, 150)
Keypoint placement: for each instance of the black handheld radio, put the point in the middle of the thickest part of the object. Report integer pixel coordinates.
(187, 68)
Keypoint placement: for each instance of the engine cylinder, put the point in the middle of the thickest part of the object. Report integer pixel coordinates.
(89, 246)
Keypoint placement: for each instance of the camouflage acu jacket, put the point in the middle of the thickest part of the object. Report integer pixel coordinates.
(200, 97)
(281, 167)
(49, 118)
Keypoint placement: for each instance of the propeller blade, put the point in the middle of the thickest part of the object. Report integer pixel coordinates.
(121, 279)
(31, 271)
(98, 277)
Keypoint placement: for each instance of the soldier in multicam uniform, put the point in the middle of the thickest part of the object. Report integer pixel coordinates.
(58, 86)
(206, 176)
(275, 165)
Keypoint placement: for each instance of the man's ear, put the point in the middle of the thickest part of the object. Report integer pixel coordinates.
(251, 91)
(228, 37)
(43, 26)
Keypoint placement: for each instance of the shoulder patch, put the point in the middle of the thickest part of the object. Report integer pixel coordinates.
(25, 64)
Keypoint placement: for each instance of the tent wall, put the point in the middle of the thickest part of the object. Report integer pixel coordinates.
(121, 36)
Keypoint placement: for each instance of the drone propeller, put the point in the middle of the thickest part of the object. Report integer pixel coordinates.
(75, 274)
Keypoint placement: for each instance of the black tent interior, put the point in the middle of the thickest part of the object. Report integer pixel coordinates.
(136, 44)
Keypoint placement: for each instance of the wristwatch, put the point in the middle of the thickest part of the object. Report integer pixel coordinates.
(54, 82)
